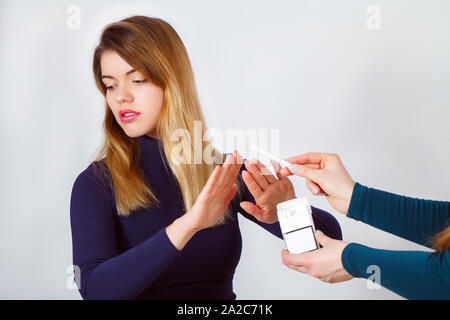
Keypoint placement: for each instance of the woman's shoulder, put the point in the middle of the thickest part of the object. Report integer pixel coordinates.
(94, 178)
(92, 196)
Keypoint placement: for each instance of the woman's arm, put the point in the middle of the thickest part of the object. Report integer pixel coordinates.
(103, 272)
(410, 218)
(411, 274)
(106, 274)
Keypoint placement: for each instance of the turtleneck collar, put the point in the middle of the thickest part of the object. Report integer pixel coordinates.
(149, 146)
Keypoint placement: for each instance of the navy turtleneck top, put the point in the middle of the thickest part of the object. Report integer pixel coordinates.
(118, 257)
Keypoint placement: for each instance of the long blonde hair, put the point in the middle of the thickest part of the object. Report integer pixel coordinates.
(152, 47)
(441, 241)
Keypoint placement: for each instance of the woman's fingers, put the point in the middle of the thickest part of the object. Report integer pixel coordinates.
(314, 188)
(234, 168)
(308, 158)
(297, 268)
(252, 209)
(306, 172)
(223, 176)
(277, 167)
(213, 179)
(265, 172)
(252, 169)
(286, 172)
(297, 260)
(310, 184)
(231, 169)
(251, 184)
(261, 174)
(238, 166)
(230, 195)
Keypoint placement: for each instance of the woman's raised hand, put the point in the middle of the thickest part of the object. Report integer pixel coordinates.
(267, 190)
(210, 205)
(217, 193)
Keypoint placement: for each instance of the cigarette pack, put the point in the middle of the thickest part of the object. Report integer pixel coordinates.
(297, 225)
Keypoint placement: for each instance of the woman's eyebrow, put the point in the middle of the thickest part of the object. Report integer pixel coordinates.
(111, 77)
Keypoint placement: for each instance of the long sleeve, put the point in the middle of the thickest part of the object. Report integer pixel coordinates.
(103, 272)
(410, 218)
(322, 220)
(411, 274)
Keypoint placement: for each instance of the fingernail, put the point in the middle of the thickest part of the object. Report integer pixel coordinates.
(319, 232)
(293, 168)
(314, 190)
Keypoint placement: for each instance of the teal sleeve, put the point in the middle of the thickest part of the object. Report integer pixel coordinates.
(413, 219)
(411, 274)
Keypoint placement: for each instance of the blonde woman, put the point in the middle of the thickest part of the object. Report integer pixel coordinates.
(146, 225)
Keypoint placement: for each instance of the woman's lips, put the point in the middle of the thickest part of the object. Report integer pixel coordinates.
(129, 118)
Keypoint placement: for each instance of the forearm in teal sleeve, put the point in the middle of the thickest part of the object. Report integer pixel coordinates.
(410, 218)
(411, 274)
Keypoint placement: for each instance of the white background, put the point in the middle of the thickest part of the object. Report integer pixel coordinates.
(311, 69)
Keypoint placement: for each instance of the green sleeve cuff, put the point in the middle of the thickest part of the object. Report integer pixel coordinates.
(350, 259)
(356, 202)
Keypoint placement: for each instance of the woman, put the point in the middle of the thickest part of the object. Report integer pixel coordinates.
(411, 274)
(148, 223)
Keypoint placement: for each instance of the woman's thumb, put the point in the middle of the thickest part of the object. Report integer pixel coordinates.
(322, 238)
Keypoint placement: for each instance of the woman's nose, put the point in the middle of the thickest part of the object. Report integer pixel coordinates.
(123, 95)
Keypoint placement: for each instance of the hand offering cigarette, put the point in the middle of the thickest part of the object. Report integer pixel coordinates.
(290, 166)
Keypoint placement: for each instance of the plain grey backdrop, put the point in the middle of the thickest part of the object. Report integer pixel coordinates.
(324, 73)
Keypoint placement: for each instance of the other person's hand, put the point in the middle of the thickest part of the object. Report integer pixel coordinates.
(324, 263)
(327, 172)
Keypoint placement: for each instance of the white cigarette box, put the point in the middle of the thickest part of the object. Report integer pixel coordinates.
(297, 225)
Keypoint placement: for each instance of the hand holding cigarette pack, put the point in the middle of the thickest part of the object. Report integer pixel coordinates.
(297, 225)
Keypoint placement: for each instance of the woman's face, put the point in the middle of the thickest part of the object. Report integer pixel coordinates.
(128, 91)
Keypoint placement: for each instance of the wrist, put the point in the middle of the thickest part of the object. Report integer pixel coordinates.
(290, 197)
(180, 232)
(190, 222)
(349, 195)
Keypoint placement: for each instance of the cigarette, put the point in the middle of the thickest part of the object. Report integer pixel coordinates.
(284, 163)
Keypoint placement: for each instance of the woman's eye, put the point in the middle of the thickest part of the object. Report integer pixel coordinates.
(136, 81)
